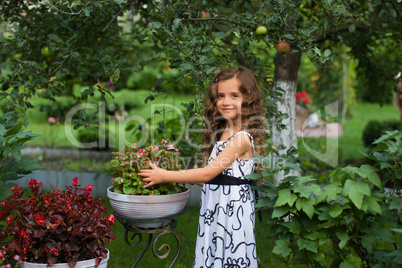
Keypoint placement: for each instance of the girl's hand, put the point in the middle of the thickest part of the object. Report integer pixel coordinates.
(152, 176)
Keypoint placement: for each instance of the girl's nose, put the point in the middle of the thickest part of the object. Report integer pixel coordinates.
(226, 101)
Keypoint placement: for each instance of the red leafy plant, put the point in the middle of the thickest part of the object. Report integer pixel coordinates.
(57, 226)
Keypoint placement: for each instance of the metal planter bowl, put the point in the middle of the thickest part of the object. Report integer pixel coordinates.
(147, 211)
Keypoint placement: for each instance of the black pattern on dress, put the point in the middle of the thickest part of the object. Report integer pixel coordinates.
(225, 236)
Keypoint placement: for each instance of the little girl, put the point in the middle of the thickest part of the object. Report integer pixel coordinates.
(235, 125)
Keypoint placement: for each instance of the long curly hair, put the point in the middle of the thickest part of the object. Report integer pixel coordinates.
(252, 112)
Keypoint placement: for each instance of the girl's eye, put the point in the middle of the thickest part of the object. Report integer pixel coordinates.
(220, 96)
(235, 96)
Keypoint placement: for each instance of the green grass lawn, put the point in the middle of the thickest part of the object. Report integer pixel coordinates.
(123, 255)
(350, 143)
(63, 135)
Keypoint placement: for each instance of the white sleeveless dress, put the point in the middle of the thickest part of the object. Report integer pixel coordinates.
(225, 235)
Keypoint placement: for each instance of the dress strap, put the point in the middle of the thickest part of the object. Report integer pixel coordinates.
(248, 134)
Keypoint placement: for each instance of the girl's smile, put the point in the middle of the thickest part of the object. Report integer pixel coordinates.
(229, 99)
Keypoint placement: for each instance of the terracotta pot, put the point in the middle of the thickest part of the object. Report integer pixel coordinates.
(301, 116)
(81, 264)
(147, 211)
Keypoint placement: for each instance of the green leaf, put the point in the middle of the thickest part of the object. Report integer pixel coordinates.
(352, 28)
(253, 176)
(117, 190)
(306, 205)
(368, 242)
(115, 76)
(16, 150)
(220, 35)
(307, 244)
(285, 196)
(382, 234)
(88, 10)
(293, 225)
(128, 190)
(335, 210)
(370, 173)
(371, 202)
(321, 236)
(154, 25)
(176, 23)
(280, 211)
(3, 130)
(346, 264)
(354, 193)
(344, 237)
(264, 202)
(281, 248)
(395, 203)
(364, 187)
(331, 193)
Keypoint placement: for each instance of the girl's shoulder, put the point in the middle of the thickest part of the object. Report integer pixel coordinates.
(244, 133)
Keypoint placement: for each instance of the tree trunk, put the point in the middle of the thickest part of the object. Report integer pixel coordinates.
(285, 77)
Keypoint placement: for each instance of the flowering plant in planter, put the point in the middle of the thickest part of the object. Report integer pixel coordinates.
(127, 163)
(4, 262)
(56, 227)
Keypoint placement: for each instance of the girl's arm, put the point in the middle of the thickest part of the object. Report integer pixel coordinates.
(238, 146)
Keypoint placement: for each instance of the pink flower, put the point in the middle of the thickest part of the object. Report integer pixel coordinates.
(134, 145)
(111, 218)
(51, 120)
(121, 180)
(170, 147)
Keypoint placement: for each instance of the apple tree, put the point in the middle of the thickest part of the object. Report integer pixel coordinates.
(246, 33)
(51, 44)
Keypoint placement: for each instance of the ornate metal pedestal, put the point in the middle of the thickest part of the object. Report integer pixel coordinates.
(133, 233)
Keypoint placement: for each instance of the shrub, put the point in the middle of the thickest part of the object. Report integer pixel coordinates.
(351, 222)
(91, 135)
(375, 129)
(56, 227)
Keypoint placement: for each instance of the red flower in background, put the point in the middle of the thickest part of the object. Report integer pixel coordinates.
(302, 98)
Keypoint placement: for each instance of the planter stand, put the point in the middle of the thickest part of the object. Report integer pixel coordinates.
(166, 229)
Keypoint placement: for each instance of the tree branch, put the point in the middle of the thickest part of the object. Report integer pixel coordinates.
(376, 12)
(115, 16)
(221, 19)
(319, 38)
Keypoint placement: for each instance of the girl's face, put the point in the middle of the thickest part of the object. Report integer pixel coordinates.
(229, 99)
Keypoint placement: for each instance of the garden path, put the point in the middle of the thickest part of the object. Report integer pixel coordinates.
(331, 130)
